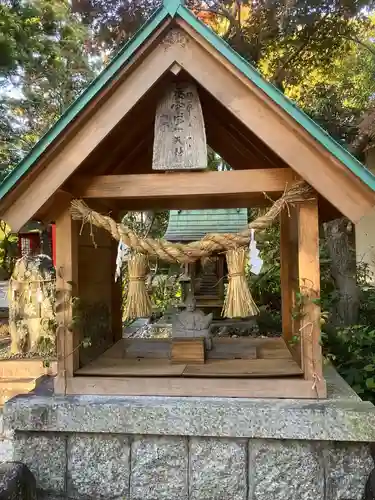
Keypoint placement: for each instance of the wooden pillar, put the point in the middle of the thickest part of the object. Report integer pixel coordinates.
(289, 279)
(66, 288)
(309, 287)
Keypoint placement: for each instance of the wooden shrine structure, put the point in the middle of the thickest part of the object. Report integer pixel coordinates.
(101, 151)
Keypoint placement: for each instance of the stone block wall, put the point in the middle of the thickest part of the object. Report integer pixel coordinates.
(139, 467)
(178, 448)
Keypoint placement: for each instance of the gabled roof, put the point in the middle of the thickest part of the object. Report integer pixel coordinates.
(191, 225)
(172, 8)
(359, 181)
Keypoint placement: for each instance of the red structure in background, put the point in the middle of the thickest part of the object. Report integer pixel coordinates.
(30, 243)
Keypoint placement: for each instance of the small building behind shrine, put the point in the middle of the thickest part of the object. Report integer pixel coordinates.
(206, 280)
(192, 417)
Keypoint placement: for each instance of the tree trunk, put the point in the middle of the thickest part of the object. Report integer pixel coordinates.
(339, 239)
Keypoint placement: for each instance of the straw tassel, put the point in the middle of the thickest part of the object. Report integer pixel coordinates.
(138, 303)
(238, 303)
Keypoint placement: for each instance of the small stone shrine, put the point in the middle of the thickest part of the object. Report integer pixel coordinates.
(32, 314)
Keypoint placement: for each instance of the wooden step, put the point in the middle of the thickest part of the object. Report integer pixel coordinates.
(25, 368)
(10, 387)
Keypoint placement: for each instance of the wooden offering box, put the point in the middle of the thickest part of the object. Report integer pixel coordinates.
(188, 351)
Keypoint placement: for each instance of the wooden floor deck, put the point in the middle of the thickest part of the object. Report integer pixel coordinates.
(230, 357)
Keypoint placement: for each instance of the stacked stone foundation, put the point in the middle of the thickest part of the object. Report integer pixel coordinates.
(110, 466)
(153, 448)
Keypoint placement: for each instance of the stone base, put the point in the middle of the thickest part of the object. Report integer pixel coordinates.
(180, 468)
(16, 482)
(195, 448)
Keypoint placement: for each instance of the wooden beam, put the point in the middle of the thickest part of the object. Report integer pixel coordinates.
(241, 182)
(292, 143)
(200, 387)
(309, 287)
(66, 289)
(193, 203)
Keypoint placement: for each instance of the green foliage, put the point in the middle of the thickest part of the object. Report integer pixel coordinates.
(166, 293)
(46, 348)
(91, 320)
(335, 94)
(268, 320)
(265, 287)
(113, 21)
(8, 251)
(319, 52)
(44, 65)
(352, 351)
(352, 348)
(153, 224)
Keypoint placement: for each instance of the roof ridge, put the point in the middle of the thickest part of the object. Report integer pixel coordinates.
(172, 6)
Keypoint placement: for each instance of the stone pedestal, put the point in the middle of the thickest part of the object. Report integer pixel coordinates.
(153, 448)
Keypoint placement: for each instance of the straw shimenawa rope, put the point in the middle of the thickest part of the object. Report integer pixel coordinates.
(190, 252)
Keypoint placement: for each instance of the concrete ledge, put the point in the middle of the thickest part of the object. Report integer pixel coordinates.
(342, 417)
(239, 418)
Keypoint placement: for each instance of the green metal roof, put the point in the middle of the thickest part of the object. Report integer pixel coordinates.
(173, 8)
(191, 225)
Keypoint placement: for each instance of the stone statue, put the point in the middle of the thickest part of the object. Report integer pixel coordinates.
(192, 323)
(32, 315)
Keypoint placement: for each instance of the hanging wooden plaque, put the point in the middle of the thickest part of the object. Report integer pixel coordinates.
(180, 136)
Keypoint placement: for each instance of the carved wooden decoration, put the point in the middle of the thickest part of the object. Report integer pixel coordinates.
(180, 137)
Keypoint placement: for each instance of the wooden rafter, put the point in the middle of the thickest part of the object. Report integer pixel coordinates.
(240, 138)
(233, 152)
